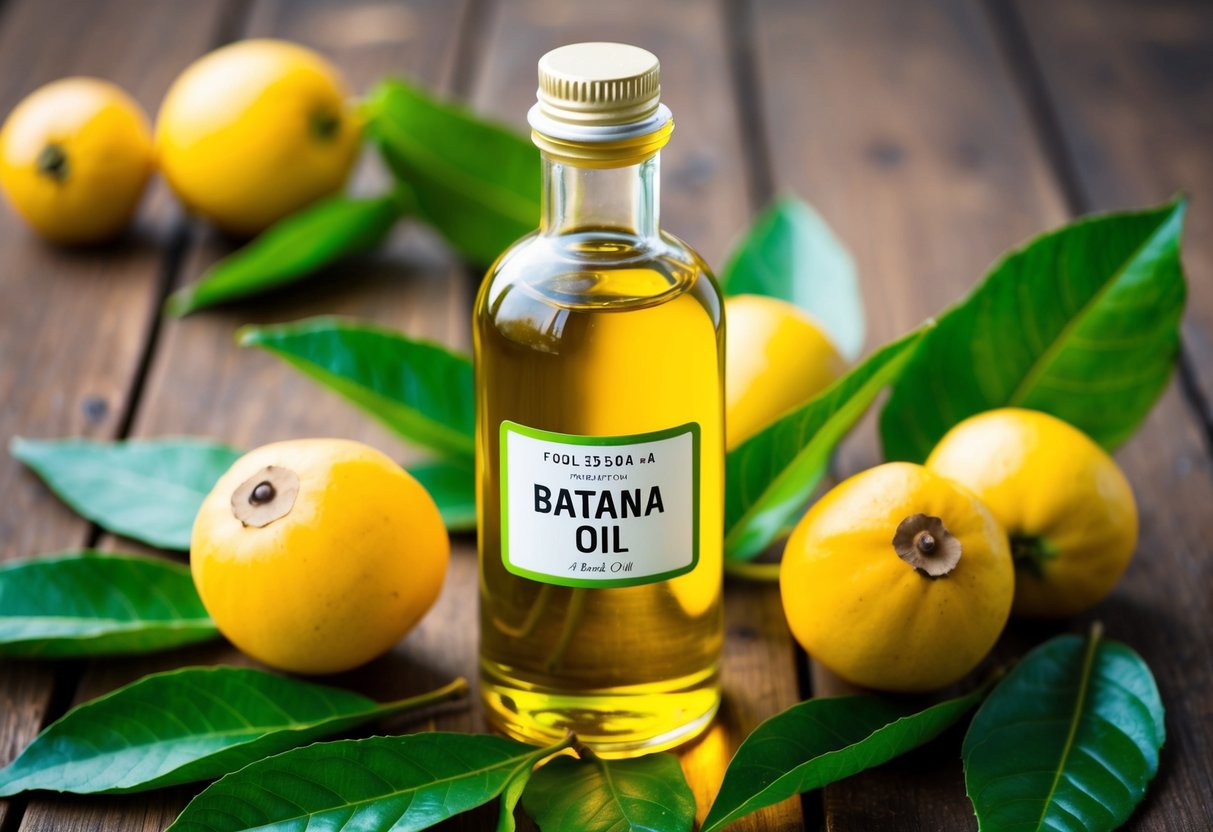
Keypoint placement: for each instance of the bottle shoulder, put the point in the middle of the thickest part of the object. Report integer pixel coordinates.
(600, 269)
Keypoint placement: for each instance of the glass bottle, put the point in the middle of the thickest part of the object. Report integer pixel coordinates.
(599, 356)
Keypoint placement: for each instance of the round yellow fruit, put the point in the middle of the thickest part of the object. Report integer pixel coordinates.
(74, 159)
(1068, 509)
(317, 555)
(897, 579)
(776, 358)
(255, 131)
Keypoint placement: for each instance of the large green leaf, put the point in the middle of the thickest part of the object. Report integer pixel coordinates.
(144, 489)
(822, 741)
(372, 785)
(1082, 323)
(790, 253)
(292, 248)
(420, 390)
(97, 604)
(476, 182)
(771, 476)
(1069, 740)
(198, 723)
(453, 487)
(645, 794)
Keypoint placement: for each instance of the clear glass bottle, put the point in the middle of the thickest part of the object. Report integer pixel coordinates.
(599, 352)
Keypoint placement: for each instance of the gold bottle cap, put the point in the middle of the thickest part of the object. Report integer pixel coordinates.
(599, 83)
(599, 105)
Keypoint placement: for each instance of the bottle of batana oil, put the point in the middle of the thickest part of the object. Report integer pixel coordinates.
(599, 358)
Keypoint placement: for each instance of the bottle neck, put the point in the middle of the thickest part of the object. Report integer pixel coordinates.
(623, 199)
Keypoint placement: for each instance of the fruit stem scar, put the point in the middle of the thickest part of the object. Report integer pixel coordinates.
(926, 544)
(52, 161)
(266, 496)
(1030, 554)
(324, 125)
(262, 493)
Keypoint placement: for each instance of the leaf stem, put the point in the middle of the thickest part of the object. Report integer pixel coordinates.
(456, 689)
(584, 752)
(1094, 636)
(570, 741)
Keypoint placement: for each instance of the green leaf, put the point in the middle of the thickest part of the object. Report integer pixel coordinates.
(186, 725)
(771, 476)
(144, 489)
(645, 794)
(420, 390)
(453, 487)
(294, 247)
(96, 604)
(477, 183)
(790, 253)
(1068, 740)
(150, 490)
(1082, 323)
(509, 801)
(373, 785)
(822, 741)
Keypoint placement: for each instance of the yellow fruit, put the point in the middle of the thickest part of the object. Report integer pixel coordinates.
(316, 555)
(255, 131)
(74, 158)
(857, 590)
(776, 358)
(1067, 507)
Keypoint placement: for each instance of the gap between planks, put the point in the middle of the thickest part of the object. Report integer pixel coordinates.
(738, 16)
(751, 122)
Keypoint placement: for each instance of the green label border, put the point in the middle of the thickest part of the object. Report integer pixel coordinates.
(575, 439)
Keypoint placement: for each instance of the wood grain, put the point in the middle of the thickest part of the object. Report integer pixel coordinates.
(915, 130)
(1129, 88)
(893, 120)
(73, 324)
(703, 182)
(200, 382)
(902, 123)
(704, 200)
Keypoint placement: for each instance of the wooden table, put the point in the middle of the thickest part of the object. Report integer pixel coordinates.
(932, 134)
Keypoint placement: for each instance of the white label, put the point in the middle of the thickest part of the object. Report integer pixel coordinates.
(599, 511)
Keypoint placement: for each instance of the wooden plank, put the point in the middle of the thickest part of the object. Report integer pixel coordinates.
(902, 124)
(703, 187)
(892, 119)
(704, 200)
(73, 324)
(200, 382)
(1128, 88)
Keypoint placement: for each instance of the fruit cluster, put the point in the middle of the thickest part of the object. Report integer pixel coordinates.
(246, 135)
(902, 577)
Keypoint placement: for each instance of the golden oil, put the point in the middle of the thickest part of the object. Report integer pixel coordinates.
(600, 443)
